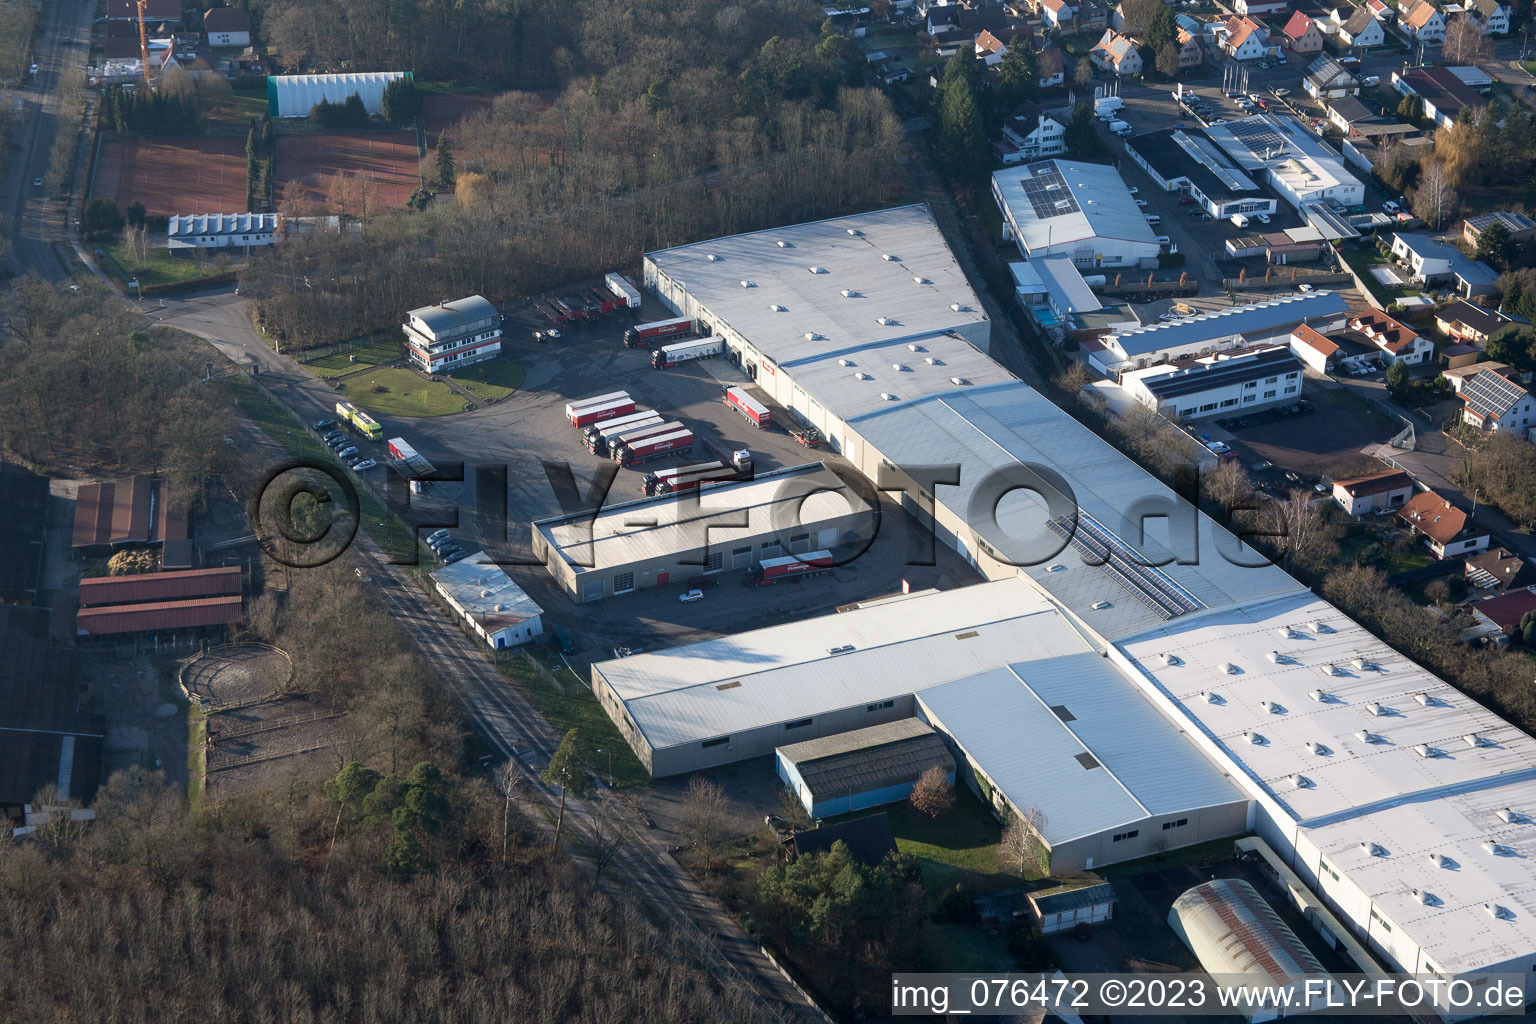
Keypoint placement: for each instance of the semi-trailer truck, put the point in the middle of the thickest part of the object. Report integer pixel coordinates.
(571, 408)
(616, 442)
(597, 435)
(789, 567)
(672, 442)
(365, 424)
(602, 411)
(684, 351)
(627, 294)
(407, 460)
(738, 399)
(646, 335)
(684, 478)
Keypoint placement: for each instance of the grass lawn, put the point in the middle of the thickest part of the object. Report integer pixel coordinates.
(967, 948)
(406, 394)
(378, 349)
(960, 847)
(238, 108)
(496, 378)
(158, 265)
(568, 703)
(277, 424)
(1388, 558)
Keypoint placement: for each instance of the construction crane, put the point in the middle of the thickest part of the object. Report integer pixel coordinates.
(143, 6)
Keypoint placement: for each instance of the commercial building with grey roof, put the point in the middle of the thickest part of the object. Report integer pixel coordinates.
(651, 542)
(1183, 160)
(1070, 208)
(867, 767)
(452, 334)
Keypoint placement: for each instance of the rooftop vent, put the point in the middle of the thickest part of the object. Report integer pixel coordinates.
(1440, 860)
(883, 321)
(501, 608)
(861, 376)
(1212, 697)
(956, 306)
(1319, 696)
(775, 307)
(916, 348)
(1285, 632)
(919, 280)
(1489, 846)
(849, 293)
(1277, 657)
(1257, 739)
(900, 367)
(1332, 670)
(1271, 707)
(1058, 567)
(1424, 750)
(782, 244)
(845, 362)
(843, 649)
(749, 284)
(1509, 817)
(816, 270)
(712, 258)
(888, 257)
(855, 232)
(1376, 709)
(1361, 664)
(485, 593)
(1301, 782)
(1423, 698)
(958, 381)
(1317, 627)
(932, 361)
(1170, 659)
(1320, 749)
(1429, 899)
(812, 336)
(1372, 850)
(1495, 910)
(1366, 736)
(1099, 606)
(1228, 668)
(887, 396)
(1472, 739)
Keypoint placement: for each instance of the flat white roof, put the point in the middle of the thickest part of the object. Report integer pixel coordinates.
(1060, 202)
(766, 676)
(1283, 147)
(632, 531)
(894, 264)
(1073, 738)
(486, 593)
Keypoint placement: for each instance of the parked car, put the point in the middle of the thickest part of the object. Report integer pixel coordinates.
(32, 69)
(1303, 288)
(549, 334)
(1219, 447)
(1263, 65)
(626, 652)
(364, 466)
(324, 425)
(1263, 218)
(1143, 203)
(362, 575)
(447, 550)
(436, 535)
(1282, 93)
(1370, 80)
(440, 541)
(1392, 206)
(1186, 200)
(689, 596)
(347, 452)
(37, 182)
(1133, 190)
(455, 557)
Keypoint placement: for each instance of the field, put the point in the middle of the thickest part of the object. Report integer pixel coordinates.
(207, 175)
(379, 349)
(491, 380)
(307, 165)
(174, 176)
(159, 266)
(406, 393)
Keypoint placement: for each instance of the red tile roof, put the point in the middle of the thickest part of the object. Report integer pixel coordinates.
(1297, 27)
(1385, 331)
(1375, 483)
(162, 615)
(1434, 517)
(1508, 610)
(1311, 337)
(161, 586)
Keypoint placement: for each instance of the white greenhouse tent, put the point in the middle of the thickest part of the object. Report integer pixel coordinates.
(294, 95)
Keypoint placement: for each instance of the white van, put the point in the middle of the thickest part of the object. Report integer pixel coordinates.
(1164, 240)
(1239, 220)
(1153, 219)
(1120, 127)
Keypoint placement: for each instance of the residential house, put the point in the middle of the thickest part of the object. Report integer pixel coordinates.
(1458, 377)
(1445, 529)
(1433, 260)
(1398, 342)
(1382, 11)
(1519, 226)
(1505, 611)
(1327, 79)
(1314, 349)
(1462, 354)
(1360, 29)
(1092, 16)
(1469, 322)
(1117, 53)
(990, 50)
(227, 26)
(1498, 570)
(1258, 8)
(1031, 134)
(1444, 92)
(1058, 14)
(1490, 16)
(1301, 35)
(1494, 402)
(1050, 67)
(221, 231)
(1363, 495)
(1423, 22)
(1245, 39)
(1191, 53)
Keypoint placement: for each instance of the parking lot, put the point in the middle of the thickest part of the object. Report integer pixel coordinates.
(529, 431)
(1326, 443)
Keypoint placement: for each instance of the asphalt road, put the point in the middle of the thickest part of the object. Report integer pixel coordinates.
(34, 217)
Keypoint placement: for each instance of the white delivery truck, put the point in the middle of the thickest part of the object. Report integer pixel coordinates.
(1239, 220)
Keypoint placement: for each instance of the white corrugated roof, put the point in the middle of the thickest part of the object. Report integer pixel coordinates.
(1028, 723)
(1099, 205)
(621, 534)
(486, 593)
(1011, 428)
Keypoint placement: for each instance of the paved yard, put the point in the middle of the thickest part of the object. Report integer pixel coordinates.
(1328, 442)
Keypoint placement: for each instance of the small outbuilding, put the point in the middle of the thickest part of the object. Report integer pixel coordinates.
(862, 768)
(496, 608)
(1086, 900)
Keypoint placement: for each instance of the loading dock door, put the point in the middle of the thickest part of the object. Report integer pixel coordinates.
(592, 588)
(826, 538)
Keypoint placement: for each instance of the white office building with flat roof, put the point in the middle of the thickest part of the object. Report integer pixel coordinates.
(1290, 159)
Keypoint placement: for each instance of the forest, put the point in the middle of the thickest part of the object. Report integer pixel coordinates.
(659, 126)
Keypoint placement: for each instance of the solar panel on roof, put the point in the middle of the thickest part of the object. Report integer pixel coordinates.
(1257, 134)
(1048, 194)
(1491, 394)
(1101, 548)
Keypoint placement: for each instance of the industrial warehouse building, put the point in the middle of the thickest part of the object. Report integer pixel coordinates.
(1409, 808)
(1290, 159)
(1079, 210)
(863, 768)
(835, 317)
(221, 230)
(1183, 160)
(651, 542)
(485, 597)
(296, 95)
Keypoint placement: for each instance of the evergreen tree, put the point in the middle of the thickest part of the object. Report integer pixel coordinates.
(1167, 61)
(962, 145)
(402, 101)
(1017, 78)
(353, 113)
(963, 65)
(445, 173)
(1495, 245)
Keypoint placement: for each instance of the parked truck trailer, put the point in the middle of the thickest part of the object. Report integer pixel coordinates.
(617, 442)
(684, 351)
(672, 442)
(602, 411)
(737, 398)
(646, 335)
(406, 460)
(776, 570)
(627, 294)
(365, 424)
(597, 435)
(684, 478)
(572, 408)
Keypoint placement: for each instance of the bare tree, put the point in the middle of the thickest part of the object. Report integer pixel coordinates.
(1228, 485)
(604, 837)
(793, 811)
(1022, 844)
(1464, 42)
(1072, 381)
(933, 794)
(706, 814)
(1435, 200)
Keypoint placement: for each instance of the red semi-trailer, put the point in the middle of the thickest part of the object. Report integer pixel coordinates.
(572, 408)
(738, 399)
(644, 335)
(602, 411)
(657, 444)
(775, 570)
(685, 478)
(634, 435)
(598, 435)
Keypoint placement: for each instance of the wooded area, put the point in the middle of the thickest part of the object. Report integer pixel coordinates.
(676, 125)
